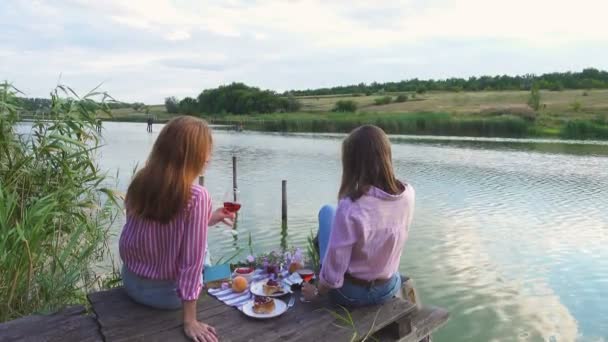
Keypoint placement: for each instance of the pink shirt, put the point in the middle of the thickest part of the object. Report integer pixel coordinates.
(172, 251)
(367, 236)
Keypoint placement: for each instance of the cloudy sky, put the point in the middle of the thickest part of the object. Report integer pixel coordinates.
(145, 50)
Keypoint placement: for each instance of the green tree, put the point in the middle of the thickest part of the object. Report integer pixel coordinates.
(534, 98)
(137, 106)
(587, 79)
(383, 100)
(188, 106)
(172, 105)
(345, 106)
(401, 98)
(238, 98)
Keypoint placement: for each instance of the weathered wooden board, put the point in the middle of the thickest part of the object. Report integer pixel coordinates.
(121, 319)
(414, 327)
(71, 324)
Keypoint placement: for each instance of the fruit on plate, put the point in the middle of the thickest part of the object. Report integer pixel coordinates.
(263, 305)
(271, 287)
(294, 267)
(239, 284)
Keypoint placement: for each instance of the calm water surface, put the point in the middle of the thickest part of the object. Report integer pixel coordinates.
(510, 236)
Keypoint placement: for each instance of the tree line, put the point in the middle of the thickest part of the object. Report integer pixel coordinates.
(589, 78)
(235, 98)
(42, 105)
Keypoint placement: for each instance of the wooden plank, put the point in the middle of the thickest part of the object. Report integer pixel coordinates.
(70, 324)
(416, 326)
(367, 320)
(121, 319)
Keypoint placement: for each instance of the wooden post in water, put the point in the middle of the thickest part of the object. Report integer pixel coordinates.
(234, 191)
(201, 180)
(284, 202)
(234, 186)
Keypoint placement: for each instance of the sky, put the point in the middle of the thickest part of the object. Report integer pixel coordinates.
(146, 50)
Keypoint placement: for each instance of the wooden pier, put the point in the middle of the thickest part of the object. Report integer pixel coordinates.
(115, 317)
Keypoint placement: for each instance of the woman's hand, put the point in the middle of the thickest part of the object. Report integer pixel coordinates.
(200, 332)
(309, 291)
(222, 215)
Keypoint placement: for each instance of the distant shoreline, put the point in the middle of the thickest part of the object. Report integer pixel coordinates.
(437, 124)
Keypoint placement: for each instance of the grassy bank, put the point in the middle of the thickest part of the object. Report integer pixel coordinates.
(55, 212)
(413, 123)
(570, 114)
(507, 125)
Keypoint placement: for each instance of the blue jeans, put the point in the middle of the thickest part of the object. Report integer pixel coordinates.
(350, 294)
(159, 294)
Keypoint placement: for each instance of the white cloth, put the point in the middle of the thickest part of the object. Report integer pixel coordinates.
(232, 298)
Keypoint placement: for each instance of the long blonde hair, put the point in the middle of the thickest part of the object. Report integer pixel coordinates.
(161, 189)
(366, 162)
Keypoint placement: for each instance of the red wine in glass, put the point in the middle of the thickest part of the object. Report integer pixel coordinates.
(231, 201)
(232, 207)
(306, 274)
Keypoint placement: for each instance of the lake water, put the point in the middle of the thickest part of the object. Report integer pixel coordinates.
(510, 236)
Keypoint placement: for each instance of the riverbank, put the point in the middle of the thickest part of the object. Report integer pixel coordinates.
(445, 124)
(569, 114)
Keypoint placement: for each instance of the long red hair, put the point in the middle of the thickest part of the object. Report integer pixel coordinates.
(161, 189)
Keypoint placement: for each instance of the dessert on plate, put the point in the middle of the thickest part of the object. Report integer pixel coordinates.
(263, 305)
(271, 287)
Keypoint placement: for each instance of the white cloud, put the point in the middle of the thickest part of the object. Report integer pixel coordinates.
(178, 35)
(291, 44)
(135, 22)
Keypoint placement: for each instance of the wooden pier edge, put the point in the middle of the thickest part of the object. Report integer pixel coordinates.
(112, 310)
(70, 324)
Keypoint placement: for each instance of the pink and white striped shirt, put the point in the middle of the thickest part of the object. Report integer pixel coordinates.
(171, 251)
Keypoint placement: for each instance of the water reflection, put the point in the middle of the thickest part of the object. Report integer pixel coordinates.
(510, 236)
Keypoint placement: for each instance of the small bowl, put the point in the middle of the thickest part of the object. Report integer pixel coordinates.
(243, 273)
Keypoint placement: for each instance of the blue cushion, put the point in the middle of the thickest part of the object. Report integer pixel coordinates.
(216, 272)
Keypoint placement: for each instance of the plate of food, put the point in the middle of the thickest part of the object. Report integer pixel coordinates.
(269, 288)
(264, 307)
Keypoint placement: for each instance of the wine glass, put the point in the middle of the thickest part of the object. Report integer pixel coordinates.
(307, 276)
(232, 201)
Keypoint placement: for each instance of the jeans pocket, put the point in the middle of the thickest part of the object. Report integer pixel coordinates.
(381, 294)
(340, 297)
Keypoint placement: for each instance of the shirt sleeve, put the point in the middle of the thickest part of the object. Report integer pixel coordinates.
(193, 248)
(412, 204)
(341, 241)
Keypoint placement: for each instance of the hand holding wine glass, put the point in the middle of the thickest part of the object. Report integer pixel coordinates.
(222, 215)
(231, 201)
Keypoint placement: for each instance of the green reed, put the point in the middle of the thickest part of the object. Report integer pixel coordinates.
(405, 123)
(583, 129)
(55, 208)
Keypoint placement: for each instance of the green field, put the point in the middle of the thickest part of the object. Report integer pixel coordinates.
(129, 114)
(568, 114)
(468, 102)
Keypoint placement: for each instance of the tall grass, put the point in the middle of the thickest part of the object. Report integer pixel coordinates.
(583, 129)
(55, 211)
(411, 123)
